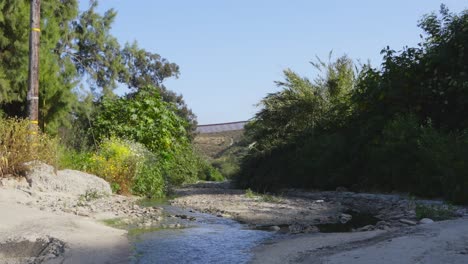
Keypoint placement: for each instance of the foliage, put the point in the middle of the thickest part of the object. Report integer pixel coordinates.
(76, 48)
(129, 167)
(263, 197)
(227, 166)
(116, 163)
(400, 128)
(88, 196)
(302, 104)
(72, 159)
(209, 173)
(144, 118)
(17, 146)
(434, 212)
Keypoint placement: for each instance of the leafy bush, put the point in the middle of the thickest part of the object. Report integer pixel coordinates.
(129, 167)
(209, 173)
(188, 166)
(149, 181)
(434, 212)
(75, 160)
(144, 118)
(116, 163)
(17, 147)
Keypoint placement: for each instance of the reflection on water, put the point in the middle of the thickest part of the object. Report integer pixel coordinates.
(210, 240)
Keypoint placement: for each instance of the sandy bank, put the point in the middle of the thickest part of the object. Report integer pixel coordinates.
(440, 242)
(57, 217)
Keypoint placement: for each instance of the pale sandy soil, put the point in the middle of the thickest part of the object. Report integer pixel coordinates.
(57, 217)
(441, 242)
(85, 240)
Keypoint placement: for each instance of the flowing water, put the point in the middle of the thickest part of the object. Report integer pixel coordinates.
(211, 239)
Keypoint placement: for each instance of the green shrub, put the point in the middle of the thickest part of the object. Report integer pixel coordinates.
(188, 166)
(129, 167)
(149, 181)
(209, 173)
(18, 146)
(227, 166)
(75, 160)
(434, 212)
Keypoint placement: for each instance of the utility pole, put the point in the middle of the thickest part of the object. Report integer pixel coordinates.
(33, 81)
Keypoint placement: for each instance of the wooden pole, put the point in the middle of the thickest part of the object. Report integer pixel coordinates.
(33, 81)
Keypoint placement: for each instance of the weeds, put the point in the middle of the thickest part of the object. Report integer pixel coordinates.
(17, 147)
(434, 212)
(267, 198)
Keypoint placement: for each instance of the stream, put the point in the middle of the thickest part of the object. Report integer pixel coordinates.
(209, 239)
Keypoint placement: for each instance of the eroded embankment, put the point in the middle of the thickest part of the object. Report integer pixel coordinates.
(58, 217)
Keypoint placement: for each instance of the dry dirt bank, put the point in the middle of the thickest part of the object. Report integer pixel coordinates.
(56, 217)
(440, 242)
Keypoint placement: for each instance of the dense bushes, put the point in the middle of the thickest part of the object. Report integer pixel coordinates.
(18, 146)
(400, 128)
(145, 118)
(142, 146)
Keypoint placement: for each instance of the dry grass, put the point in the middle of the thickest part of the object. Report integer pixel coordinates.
(18, 146)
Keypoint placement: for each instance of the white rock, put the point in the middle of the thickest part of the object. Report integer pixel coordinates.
(43, 177)
(274, 228)
(344, 218)
(426, 221)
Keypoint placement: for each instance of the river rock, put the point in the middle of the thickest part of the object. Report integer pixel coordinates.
(408, 222)
(366, 228)
(274, 228)
(426, 221)
(344, 218)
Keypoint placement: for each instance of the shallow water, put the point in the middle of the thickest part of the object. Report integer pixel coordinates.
(211, 239)
(358, 220)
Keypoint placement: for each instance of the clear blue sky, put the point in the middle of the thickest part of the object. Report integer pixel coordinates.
(231, 52)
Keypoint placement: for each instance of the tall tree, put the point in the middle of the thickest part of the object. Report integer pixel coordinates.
(75, 48)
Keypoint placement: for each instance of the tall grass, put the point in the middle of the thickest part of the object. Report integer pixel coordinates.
(18, 146)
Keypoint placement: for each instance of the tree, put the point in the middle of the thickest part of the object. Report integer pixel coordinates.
(143, 117)
(304, 105)
(76, 48)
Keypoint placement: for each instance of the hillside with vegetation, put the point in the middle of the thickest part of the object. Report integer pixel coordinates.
(401, 127)
(223, 150)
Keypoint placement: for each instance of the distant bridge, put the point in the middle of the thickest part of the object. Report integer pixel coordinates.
(221, 127)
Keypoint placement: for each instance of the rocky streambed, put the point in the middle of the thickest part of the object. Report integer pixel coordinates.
(298, 211)
(204, 223)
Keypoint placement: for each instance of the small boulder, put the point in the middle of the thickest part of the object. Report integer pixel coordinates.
(274, 228)
(426, 221)
(408, 222)
(366, 228)
(345, 218)
(43, 178)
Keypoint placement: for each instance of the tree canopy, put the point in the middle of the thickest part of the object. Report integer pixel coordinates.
(402, 127)
(76, 50)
